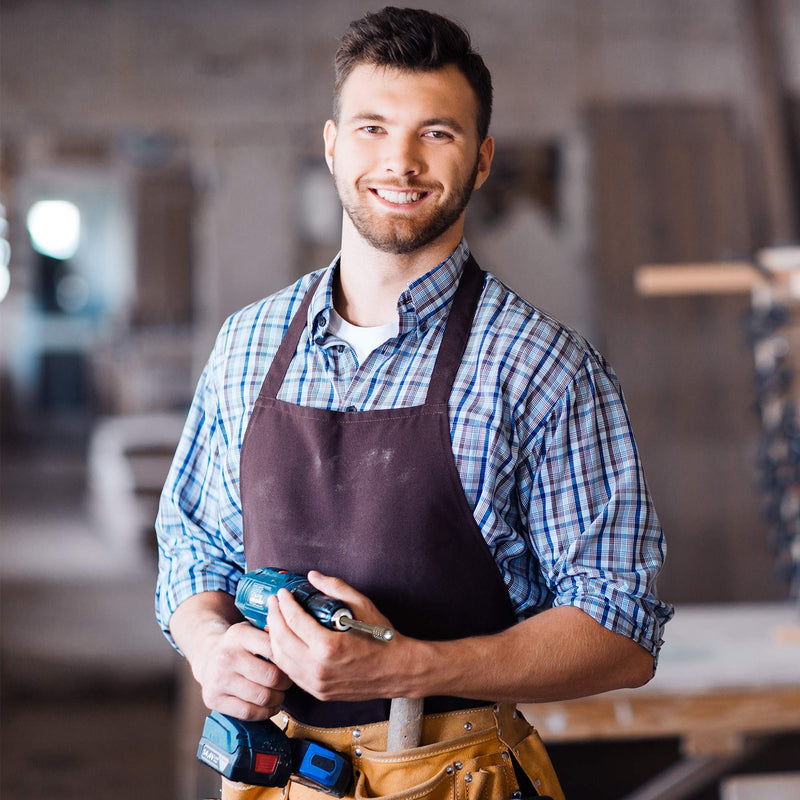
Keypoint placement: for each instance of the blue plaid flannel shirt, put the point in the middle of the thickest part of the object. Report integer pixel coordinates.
(539, 429)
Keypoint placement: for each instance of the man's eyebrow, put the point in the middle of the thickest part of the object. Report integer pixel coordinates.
(366, 116)
(444, 122)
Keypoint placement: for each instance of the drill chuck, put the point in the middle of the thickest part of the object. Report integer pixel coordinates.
(343, 621)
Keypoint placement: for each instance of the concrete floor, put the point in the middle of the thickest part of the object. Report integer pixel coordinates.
(87, 682)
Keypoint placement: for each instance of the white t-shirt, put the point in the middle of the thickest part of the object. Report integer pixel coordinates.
(362, 340)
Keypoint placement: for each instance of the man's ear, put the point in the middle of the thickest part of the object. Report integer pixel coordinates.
(485, 156)
(329, 135)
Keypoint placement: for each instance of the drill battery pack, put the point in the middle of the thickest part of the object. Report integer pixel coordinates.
(260, 753)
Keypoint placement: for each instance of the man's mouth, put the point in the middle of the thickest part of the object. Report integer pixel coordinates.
(404, 197)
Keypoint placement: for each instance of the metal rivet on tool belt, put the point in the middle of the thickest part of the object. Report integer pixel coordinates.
(515, 715)
(518, 793)
(449, 770)
(516, 751)
(496, 709)
(537, 782)
(499, 731)
(467, 726)
(505, 755)
(358, 752)
(356, 733)
(459, 765)
(468, 778)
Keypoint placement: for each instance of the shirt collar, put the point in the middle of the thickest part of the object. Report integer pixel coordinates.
(319, 309)
(418, 306)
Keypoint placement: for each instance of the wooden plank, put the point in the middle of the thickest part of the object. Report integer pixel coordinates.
(709, 717)
(671, 280)
(725, 673)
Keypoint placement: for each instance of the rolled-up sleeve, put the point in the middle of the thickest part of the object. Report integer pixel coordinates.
(199, 518)
(591, 519)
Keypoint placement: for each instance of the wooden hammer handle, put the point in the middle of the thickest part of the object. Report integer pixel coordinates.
(405, 724)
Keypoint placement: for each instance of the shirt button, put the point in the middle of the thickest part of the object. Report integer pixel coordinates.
(350, 408)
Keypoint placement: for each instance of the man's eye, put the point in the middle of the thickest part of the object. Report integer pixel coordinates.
(372, 129)
(438, 135)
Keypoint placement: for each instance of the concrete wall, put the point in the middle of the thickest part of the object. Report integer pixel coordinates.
(245, 88)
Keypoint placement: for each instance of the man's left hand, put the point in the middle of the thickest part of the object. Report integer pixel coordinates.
(328, 664)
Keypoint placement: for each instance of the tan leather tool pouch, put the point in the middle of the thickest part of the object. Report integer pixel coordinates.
(475, 765)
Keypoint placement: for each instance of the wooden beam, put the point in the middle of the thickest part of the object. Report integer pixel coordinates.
(733, 277)
(704, 717)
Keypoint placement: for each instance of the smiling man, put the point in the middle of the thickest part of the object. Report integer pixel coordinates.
(425, 446)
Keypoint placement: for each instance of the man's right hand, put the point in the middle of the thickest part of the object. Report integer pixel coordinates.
(229, 658)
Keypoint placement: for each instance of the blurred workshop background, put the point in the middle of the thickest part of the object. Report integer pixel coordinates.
(161, 167)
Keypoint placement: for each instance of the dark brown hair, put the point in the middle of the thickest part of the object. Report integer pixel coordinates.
(415, 40)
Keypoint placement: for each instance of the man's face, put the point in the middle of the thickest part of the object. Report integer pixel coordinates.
(405, 155)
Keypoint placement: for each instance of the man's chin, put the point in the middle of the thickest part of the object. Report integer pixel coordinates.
(400, 239)
(400, 245)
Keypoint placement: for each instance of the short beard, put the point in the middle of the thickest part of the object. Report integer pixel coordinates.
(402, 237)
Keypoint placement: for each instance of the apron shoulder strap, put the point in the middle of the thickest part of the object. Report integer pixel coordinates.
(288, 346)
(456, 333)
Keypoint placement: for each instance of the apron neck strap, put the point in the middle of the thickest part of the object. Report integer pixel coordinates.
(456, 333)
(288, 346)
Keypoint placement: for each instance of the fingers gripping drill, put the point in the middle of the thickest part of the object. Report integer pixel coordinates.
(260, 753)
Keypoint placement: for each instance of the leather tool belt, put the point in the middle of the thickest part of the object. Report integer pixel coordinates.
(464, 755)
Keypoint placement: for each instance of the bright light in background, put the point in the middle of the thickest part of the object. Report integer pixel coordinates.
(55, 228)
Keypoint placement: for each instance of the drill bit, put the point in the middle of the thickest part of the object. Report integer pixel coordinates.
(344, 621)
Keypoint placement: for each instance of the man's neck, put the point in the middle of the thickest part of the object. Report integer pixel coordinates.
(371, 281)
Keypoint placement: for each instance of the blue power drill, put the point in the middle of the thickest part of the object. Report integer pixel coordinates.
(260, 753)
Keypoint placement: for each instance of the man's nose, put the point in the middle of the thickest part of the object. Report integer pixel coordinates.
(403, 156)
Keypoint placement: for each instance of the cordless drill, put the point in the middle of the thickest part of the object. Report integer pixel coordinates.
(259, 753)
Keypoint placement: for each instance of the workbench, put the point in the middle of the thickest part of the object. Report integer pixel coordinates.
(728, 676)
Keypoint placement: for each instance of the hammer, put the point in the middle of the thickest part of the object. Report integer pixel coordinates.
(405, 724)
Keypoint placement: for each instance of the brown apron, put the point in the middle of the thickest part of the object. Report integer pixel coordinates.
(373, 497)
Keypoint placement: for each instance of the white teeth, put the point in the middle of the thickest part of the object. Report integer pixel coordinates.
(398, 197)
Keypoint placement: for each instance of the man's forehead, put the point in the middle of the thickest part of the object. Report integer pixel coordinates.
(446, 87)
